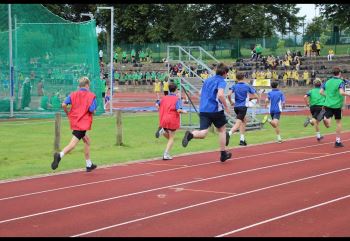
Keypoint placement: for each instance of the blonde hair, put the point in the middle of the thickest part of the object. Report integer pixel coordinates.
(83, 81)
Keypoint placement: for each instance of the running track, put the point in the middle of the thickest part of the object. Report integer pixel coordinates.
(297, 188)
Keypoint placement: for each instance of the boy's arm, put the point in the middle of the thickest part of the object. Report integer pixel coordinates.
(221, 97)
(229, 97)
(306, 100)
(64, 106)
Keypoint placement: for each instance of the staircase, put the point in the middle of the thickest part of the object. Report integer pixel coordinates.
(188, 56)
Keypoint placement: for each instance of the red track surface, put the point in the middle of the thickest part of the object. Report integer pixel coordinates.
(297, 188)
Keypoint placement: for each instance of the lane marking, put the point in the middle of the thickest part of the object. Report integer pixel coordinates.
(283, 216)
(208, 202)
(154, 172)
(160, 188)
(201, 190)
(309, 153)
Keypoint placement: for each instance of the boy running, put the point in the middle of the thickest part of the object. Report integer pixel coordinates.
(315, 101)
(169, 117)
(83, 105)
(275, 102)
(211, 110)
(334, 90)
(241, 91)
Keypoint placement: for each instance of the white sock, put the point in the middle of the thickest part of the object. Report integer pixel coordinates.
(337, 139)
(61, 154)
(88, 163)
(318, 134)
(269, 120)
(242, 137)
(279, 137)
(230, 133)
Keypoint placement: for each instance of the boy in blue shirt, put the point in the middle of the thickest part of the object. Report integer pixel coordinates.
(275, 102)
(241, 91)
(211, 110)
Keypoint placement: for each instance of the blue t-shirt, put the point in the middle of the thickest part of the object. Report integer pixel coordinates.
(241, 91)
(92, 107)
(209, 100)
(276, 98)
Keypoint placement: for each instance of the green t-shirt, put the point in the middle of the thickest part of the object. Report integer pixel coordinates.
(333, 98)
(44, 101)
(315, 97)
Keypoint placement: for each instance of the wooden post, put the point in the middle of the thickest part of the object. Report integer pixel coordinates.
(119, 128)
(57, 131)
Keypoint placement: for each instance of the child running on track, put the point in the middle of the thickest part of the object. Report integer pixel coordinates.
(334, 90)
(315, 101)
(275, 102)
(211, 111)
(157, 88)
(170, 107)
(83, 106)
(241, 91)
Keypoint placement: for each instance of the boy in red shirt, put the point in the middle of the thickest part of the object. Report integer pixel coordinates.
(169, 117)
(83, 106)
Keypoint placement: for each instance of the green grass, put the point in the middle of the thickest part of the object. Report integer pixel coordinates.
(27, 146)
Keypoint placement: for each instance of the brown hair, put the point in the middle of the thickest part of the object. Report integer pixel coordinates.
(240, 76)
(222, 69)
(336, 70)
(83, 81)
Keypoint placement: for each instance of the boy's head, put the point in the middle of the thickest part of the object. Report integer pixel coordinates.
(317, 82)
(240, 76)
(274, 84)
(84, 82)
(336, 71)
(172, 87)
(222, 69)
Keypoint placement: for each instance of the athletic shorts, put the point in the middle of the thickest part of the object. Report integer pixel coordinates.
(241, 112)
(79, 134)
(275, 115)
(315, 110)
(167, 130)
(331, 111)
(208, 118)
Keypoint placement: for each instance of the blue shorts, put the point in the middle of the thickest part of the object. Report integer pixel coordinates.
(208, 118)
(275, 115)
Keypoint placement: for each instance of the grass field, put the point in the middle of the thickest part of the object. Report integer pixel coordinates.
(27, 146)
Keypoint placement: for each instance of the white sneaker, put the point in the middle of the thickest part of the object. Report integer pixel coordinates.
(166, 156)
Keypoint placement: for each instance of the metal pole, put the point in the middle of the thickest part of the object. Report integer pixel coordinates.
(11, 60)
(111, 83)
(16, 61)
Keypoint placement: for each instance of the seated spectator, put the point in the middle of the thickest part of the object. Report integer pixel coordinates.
(330, 54)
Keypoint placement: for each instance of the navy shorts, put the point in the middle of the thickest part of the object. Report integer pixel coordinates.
(208, 118)
(79, 134)
(275, 115)
(331, 111)
(241, 112)
(315, 110)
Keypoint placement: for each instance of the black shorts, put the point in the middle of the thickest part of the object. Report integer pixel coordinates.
(79, 134)
(315, 110)
(208, 118)
(241, 112)
(275, 115)
(167, 130)
(331, 111)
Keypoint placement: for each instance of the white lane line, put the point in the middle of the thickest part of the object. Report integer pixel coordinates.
(160, 188)
(154, 172)
(282, 216)
(209, 202)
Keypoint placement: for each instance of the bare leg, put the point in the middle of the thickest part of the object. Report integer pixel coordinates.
(170, 136)
(87, 142)
(201, 134)
(222, 137)
(74, 141)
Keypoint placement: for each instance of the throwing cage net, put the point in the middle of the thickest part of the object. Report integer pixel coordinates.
(49, 55)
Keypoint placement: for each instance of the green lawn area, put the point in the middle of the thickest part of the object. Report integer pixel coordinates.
(27, 146)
